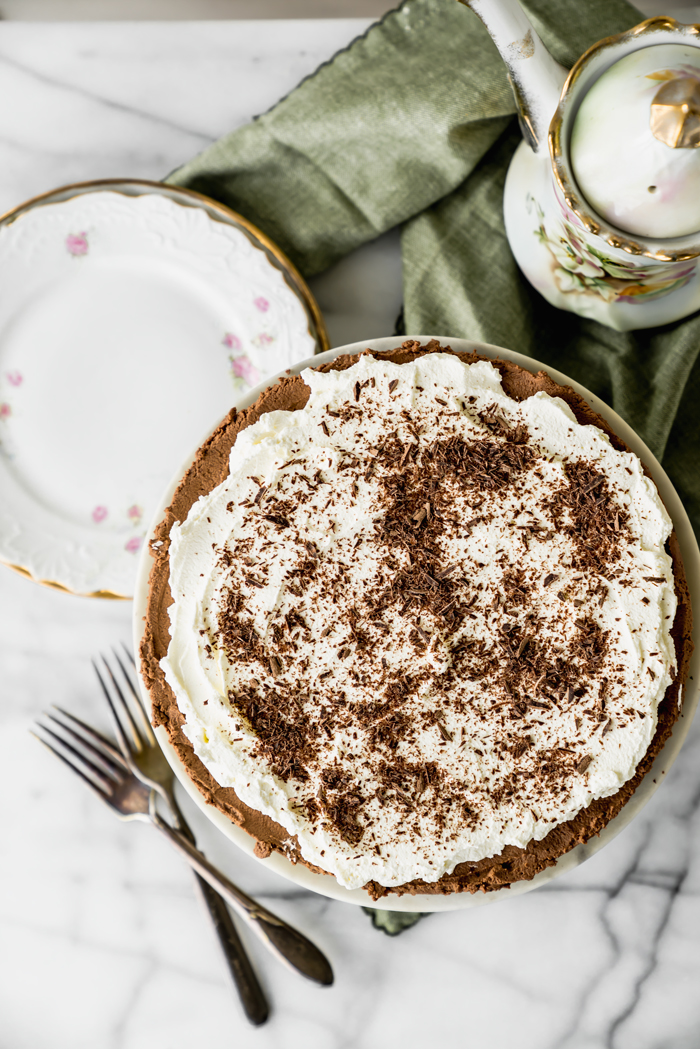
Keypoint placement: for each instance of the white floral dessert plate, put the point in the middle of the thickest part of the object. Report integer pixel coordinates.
(326, 884)
(132, 316)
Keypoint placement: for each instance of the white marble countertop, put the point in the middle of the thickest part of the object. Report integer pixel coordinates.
(102, 944)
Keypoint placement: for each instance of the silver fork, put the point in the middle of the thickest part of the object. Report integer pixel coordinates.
(139, 749)
(104, 770)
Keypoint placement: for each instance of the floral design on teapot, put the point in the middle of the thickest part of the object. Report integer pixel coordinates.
(578, 266)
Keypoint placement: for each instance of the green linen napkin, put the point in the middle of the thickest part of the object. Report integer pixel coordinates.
(413, 125)
(393, 922)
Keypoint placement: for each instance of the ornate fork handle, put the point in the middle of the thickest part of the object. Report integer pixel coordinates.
(251, 993)
(249, 989)
(288, 943)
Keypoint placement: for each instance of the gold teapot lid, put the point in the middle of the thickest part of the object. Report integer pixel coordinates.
(675, 113)
(633, 140)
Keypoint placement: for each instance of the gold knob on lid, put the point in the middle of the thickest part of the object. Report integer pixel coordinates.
(675, 113)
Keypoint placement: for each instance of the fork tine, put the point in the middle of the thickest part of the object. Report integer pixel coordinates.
(125, 672)
(90, 752)
(133, 727)
(130, 654)
(86, 779)
(78, 762)
(125, 746)
(145, 723)
(91, 733)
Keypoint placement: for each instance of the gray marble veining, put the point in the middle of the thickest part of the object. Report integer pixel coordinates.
(102, 943)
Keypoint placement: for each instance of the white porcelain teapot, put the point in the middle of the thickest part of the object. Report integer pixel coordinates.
(602, 199)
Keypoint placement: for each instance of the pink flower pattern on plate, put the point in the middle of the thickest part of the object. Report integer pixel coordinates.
(262, 304)
(243, 368)
(134, 544)
(99, 514)
(263, 339)
(5, 410)
(134, 513)
(232, 341)
(77, 243)
(14, 378)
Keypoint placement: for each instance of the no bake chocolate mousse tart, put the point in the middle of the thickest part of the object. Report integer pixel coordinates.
(418, 620)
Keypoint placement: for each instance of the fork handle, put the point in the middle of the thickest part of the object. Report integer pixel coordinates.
(250, 992)
(291, 945)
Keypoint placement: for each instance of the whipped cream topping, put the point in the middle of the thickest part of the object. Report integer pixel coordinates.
(419, 620)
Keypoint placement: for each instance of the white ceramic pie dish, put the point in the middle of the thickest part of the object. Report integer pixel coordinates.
(327, 884)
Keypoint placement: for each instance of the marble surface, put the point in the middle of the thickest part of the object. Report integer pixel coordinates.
(102, 942)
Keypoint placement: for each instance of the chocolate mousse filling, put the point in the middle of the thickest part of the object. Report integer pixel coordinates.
(588, 512)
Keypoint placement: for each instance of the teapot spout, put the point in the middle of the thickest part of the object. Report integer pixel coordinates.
(536, 78)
